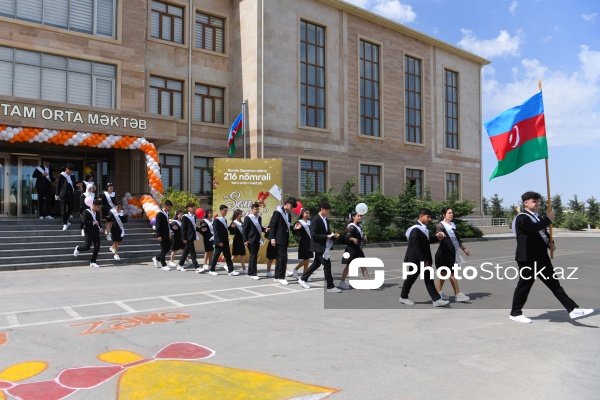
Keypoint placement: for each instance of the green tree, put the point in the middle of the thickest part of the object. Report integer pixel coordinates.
(558, 209)
(575, 221)
(179, 200)
(342, 204)
(543, 207)
(378, 225)
(406, 207)
(485, 206)
(496, 209)
(593, 211)
(575, 205)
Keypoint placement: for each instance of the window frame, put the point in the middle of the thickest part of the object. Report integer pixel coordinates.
(224, 101)
(210, 164)
(325, 162)
(360, 176)
(407, 108)
(456, 107)
(458, 184)
(166, 168)
(183, 98)
(173, 16)
(406, 178)
(379, 45)
(224, 29)
(304, 86)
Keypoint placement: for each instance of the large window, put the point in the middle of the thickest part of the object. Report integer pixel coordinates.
(96, 17)
(210, 33)
(170, 170)
(451, 109)
(312, 75)
(312, 176)
(202, 176)
(370, 178)
(415, 178)
(412, 99)
(55, 78)
(453, 185)
(208, 104)
(166, 22)
(166, 96)
(369, 89)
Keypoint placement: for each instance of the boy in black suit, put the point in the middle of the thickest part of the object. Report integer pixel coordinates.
(163, 232)
(43, 184)
(252, 232)
(65, 191)
(279, 235)
(92, 227)
(533, 242)
(222, 243)
(417, 252)
(321, 242)
(188, 236)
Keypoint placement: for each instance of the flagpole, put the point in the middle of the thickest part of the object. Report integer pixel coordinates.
(548, 187)
(244, 130)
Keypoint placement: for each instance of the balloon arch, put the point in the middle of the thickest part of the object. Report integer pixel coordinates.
(102, 141)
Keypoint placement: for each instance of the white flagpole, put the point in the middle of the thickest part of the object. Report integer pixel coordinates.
(244, 131)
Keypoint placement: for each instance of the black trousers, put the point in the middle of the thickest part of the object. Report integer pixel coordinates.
(281, 263)
(429, 284)
(253, 248)
(191, 250)
(526, 280)
(91, 238)
(44, 201)
(165, 246)
(317, 262)
(226, 251)
(66, 207)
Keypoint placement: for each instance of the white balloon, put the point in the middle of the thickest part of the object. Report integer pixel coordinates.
(361, 208)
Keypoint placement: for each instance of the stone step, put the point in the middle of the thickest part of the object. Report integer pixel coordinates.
(69, 247)
(72, 230)
(53, 242)
(58, 222)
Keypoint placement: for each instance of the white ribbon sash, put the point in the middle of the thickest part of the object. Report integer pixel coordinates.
(534, 218)
(306, 226)
(419, 226)
(362, 235)
(193, 221)
(258, 227)
(68, 177)
(210, 226)
(46, 170)
(328, 247)
(178, 224)
(108, 198)
(450, 227)
(285, 218)
(118, 220)
(239, 224)
(93, 214)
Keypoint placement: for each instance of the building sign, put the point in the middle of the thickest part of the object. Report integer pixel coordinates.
(71, 116)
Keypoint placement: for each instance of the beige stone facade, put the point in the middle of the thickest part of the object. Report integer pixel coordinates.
(271, 86)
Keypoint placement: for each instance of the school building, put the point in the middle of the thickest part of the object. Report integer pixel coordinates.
(335, 91)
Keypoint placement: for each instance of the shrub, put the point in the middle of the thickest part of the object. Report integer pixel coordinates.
(179, 200)
(575, 221)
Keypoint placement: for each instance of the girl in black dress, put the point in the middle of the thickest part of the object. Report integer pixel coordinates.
(302, 230)
(117, 218)
(206, 229)
(109, 201)
(235, 228)
(176, 242)
(447, 253)
(355, 239)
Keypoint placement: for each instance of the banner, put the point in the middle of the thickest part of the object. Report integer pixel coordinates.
(238, 183)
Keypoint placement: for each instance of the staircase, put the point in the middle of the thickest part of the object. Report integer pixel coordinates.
(28, 243)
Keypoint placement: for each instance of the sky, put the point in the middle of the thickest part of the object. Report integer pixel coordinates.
(526, 40)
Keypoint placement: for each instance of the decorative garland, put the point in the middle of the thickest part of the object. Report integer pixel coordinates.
(98, 140)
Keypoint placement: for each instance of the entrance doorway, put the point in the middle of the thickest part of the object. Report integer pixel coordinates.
(4, 193)
(22, 197)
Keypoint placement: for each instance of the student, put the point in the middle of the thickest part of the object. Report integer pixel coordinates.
(65, 191)
(208, 236)
(279, 235)
(533, 242)
(163, 231)
(117, 218)
(176, 242)
(417, 252)
(92, 228)
(43, 185)
(252, 231)
(271, 256)
(302, 230)
(355, 239)
(108, 203)
(89, 192)
(188, 236)
(222, 243)
(447, 253)
(321, 242)
(238, 248)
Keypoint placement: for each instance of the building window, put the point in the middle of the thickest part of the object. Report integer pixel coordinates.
(312, 176)
(312, 75)
(412, 99)
(170, 170)
(451, 109)
(166, 96)
(166, 22)
(202, 175)
(369, 89)
(210, 33)
(370, 178)
(415, 178)
(208, 104)
(55, 78)
(452, 185)
(96, 17)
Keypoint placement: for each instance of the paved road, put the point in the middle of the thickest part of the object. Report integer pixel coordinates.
(275, 341)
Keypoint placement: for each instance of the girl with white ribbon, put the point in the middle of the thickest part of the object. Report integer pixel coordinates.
(176, 241)
(238, 248)
(117, 218)
(301, 229)
(108, 203)
(355, 239)
(448, 253)
(208, 237)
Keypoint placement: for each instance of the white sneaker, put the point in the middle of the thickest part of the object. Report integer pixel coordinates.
(154, 260)
(172, 264)
(117, 257)
(226, 268)
(94, 265)
(461, 297)
(343, 285)
(49, 217)
(108, 237)
(520, 318)
(443, 296)
(64, 227)
(166, 268)
(199, 270)
(283, 281)
(303, 284)
(295, 273)
(76, 252)
(213, 273)
(233, 273)
(111, 249)
(206, 268)
(440, 303)
(334, 290)
(408, 302)
(180, 268)
(580, 312)
(270, 275)
(41, 217)
(256, 278)
(83, 232)
(288, 273)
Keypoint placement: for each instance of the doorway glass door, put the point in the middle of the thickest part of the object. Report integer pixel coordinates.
(4, 198)
(22, 186)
